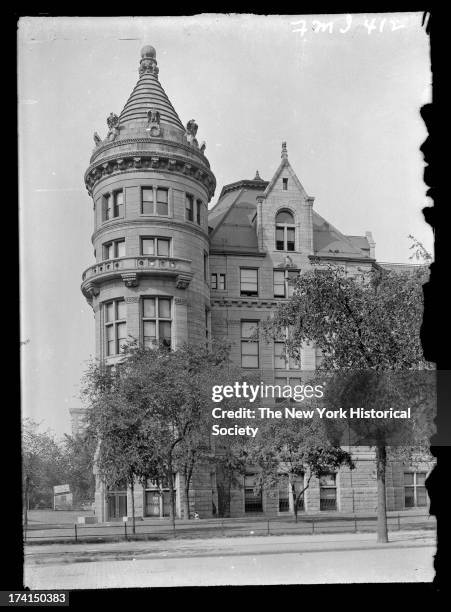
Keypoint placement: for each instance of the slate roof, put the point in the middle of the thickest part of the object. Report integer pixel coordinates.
(148, 94)
(233, 227)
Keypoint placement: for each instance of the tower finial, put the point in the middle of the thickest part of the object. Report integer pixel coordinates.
(284, 151)
(148, 62)
(257, 176)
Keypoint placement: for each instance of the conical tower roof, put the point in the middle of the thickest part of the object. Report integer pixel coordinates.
(149, 95)
(148, 136)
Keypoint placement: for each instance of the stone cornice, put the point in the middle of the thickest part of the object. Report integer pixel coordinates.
(258, 184)
(237, 253)
(155, 222)
(143, 161)
(116, 144)
(337, 259)
(243, 303)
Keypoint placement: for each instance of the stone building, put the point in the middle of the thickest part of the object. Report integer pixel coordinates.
(77, 420)
(169, 269)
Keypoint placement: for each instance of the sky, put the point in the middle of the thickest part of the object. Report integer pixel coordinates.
(344, 92)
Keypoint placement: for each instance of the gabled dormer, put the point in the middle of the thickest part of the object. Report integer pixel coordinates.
(284, 213)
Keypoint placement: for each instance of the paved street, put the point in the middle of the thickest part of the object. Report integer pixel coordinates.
(339, 558)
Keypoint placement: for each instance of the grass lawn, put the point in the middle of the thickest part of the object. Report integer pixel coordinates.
(56, 517)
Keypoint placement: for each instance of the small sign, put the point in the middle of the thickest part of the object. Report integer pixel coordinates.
(61, 489)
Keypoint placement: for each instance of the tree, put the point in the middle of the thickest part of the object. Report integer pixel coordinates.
(43, 466)
(151, 414)
(297, 449)
(79, 453)
(369, 321)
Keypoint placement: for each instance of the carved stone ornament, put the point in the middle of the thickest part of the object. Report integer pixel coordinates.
(191, 131)
(135, 161)
(203, 146)
(92, 290)
(148, 65)
(130, 279)
(182, 281)
(113, 126)
(153, 123)
(97, 139)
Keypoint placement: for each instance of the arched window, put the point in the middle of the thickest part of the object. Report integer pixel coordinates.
(285, 231)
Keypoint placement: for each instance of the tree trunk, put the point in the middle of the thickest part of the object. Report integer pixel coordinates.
(171, 491)
(132, 488)
(186, 509)
(26, 502)
(381, 461)
(295, 503)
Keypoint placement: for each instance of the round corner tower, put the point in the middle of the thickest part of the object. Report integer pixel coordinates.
(151, 184)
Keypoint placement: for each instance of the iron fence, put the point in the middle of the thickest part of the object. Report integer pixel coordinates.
(222, 527)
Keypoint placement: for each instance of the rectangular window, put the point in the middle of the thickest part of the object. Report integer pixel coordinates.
(280, 241)
(157, 321)
(290, 238)
(280, 382)
(280, 356)
(163, 245)
(279, 283)
(162, 202)
(147, 201)
(285, 184)
(189, 207)
(198, 211)
(249, 344)
(205, 266)
(283, 395)
(249, 281)
(253, 501)
(114, 249)
(415, 490)
(218, 282)
(328, 492)
(292, 277)
(106, 207)
(285, 238)
(318, 357)
(156, 246)
(115, 326)
(282, 360)
(284, 282)
(118, 206)
(284, 493)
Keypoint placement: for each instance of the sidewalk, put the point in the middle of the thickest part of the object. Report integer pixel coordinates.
(68, 553)
(320, 559)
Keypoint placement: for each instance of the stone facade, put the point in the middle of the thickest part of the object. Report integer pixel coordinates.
(169, 269)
